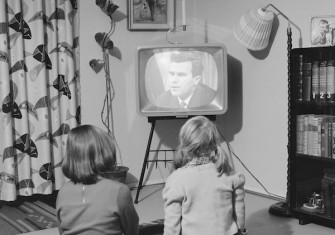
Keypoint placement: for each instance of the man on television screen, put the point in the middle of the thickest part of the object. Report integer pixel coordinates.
(185, 88)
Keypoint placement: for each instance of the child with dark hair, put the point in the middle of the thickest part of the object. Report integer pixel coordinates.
(89, 203)
(204, 195)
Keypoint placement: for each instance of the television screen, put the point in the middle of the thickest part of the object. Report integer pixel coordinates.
(180, 80)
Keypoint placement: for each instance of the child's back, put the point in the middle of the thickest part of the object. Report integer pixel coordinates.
(89, 203)
(203, 195)
(95, 208)
(205, 199)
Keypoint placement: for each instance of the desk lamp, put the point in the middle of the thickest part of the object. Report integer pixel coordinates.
(253, 31)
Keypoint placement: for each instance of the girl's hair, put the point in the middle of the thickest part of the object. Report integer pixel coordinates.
(90, 152)
(199, 137)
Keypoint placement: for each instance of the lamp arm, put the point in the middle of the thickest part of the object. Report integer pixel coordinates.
(289, 21)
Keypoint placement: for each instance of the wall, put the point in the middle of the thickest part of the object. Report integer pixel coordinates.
(255, 124)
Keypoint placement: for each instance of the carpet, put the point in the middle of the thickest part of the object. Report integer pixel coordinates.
(30, 216)
(26, 217)
(155, 227)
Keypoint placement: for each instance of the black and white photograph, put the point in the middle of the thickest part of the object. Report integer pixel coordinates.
(150, 14)
(323, 30)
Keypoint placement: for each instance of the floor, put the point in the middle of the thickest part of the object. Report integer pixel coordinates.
(258, 219)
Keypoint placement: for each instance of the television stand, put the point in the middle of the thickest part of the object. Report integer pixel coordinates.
(152, 120)
(153, 123)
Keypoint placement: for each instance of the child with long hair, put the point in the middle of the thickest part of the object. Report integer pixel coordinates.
(90, 203)
(204, 195)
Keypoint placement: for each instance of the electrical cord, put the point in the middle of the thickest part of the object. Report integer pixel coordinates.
(232, 151)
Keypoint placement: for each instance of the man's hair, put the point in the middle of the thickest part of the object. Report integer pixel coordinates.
(197, 66)
(324, 22)
(90, 152)
(199, 137)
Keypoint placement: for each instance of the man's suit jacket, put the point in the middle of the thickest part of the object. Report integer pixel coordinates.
(202, 95)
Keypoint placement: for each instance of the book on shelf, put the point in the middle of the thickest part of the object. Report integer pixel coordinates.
(324, 138)
(330, 134)
(329, 173)
(315, 81)
(315, 135)
(297, 73)
(323, 81)
(331, 80)
(300, 133)
(328, 191)
(310, 135)
(325, 187)
(315, 78)
(305, 135)
(307, 79)
(320, 136)
(332, 200)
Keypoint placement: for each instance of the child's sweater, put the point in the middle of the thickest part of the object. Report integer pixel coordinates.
(198, 201)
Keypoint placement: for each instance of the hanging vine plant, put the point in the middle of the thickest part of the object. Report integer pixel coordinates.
(119, 172)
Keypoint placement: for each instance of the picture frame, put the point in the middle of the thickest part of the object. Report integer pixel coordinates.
(151, 15)
(323, 30)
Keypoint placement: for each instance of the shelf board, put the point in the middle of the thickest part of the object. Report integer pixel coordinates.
(316, 103)
(316, 217)
(325, 159)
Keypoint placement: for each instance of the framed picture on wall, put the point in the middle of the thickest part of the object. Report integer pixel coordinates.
(323, 30)
(151, 14)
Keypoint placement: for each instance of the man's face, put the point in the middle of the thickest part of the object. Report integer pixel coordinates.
(181, 80)
(323, 27)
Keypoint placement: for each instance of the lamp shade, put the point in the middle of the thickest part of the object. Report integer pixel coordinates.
(254, 29)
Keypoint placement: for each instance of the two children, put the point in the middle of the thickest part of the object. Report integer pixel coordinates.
(203, 195)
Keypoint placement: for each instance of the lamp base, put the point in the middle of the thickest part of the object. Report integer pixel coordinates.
(280, 209)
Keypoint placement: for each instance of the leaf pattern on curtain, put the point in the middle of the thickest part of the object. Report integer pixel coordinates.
(39, 93)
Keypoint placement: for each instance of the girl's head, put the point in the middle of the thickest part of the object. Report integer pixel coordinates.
(199, 137)
(90, 152)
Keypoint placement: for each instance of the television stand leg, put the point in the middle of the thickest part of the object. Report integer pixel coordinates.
(153, 122)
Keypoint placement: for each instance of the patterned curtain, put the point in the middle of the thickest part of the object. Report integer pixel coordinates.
(39, 93)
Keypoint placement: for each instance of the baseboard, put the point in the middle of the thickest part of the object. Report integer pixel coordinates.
(277, 197)
(147, 183)
(250, 190)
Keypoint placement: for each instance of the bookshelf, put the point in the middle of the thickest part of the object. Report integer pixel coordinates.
(312, 135)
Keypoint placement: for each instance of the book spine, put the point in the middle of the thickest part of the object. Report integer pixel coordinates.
(332, 199)
(305, 135)
(319, 135)
(330, 133)
(329, 172)
(300, 76)
(324, 138)
(316, 132)
(330, 80)
(315, 81)
(300, 132)
(326, 196)
(333, 139)
(323, 81)
(307, 80)
(310, 142)
(329, 178)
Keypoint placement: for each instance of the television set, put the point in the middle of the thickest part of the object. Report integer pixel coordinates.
(168, 75)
